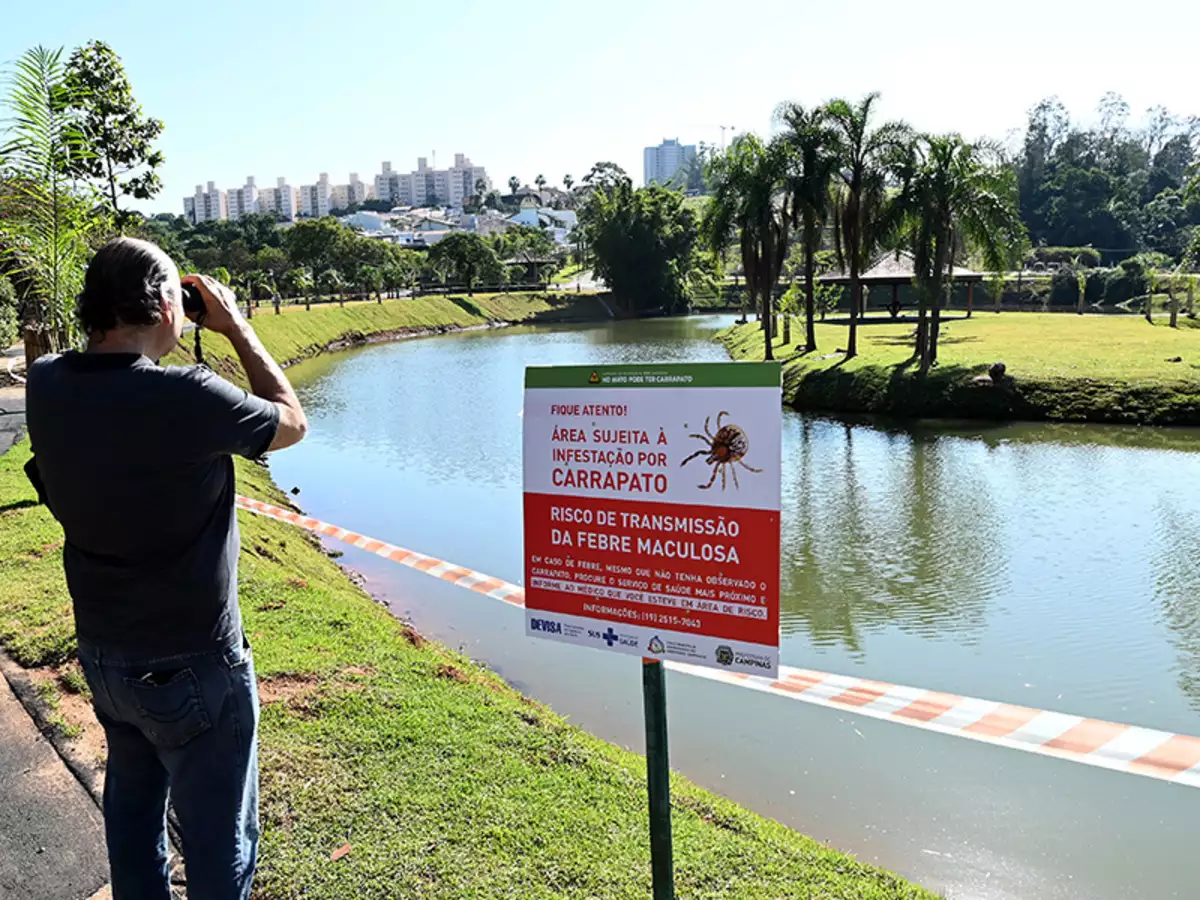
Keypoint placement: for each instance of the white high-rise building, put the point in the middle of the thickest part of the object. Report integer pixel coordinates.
(207, 205)
(287, 200)
(244, 200)
(189, 209)
(316, 199)
(425, 186)
(387, 184)
(282, 201)
(662, 163)
(356, 192)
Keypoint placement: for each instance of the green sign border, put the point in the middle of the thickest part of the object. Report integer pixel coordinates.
(660, 375)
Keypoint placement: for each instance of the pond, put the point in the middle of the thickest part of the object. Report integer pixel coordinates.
(1052, 566)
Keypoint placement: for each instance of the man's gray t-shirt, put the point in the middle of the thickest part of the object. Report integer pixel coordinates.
(136, 464)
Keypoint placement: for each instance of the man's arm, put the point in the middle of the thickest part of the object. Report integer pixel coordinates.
(264, 374)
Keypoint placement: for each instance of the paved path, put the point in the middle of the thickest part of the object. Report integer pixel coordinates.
(12, 416)
(51, 833)
(12, 401)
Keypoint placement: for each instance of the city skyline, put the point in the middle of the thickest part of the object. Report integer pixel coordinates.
(299, 104)
(424, 185)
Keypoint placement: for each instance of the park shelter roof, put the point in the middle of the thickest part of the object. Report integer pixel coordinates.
(895, 268)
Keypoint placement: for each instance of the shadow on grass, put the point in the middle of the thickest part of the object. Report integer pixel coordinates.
(18, 504)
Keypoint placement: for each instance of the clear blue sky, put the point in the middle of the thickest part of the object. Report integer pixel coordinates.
(267, 88)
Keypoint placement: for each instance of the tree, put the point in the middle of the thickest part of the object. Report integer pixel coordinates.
(9, 321)
(513, 184)
(315, 243)
(271, 260)
(467, 257)
(812, 144)
(330, 282)
(567, 182)
(121, 138)
(604, 175)
(644, 244)
(400, 270)
(370, 279)
(295, 282)
(861, 206)
(45, 222)
(956, 196)
(749, 205)
(480, 191)
(540, 181)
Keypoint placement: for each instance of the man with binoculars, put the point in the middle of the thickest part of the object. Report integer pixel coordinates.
(135, 461)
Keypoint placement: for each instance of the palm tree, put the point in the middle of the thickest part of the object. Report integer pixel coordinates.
(513, 183)
(330, 282)
(812, 143)
(370, 279)
(567, 182)
(45, 220)
(540, 181)
(955, 196)
(862, 217)
(749, 201)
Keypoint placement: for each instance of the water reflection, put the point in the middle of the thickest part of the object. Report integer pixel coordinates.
(1176, 562)
(889, 529)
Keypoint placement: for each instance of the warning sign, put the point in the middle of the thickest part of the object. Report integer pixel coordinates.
(652, 510)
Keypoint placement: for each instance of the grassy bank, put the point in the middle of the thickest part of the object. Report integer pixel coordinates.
(297, 333)
(1063, 367)
(444, 781)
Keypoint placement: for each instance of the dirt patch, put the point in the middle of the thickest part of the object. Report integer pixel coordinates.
(72, 717)
(359, 671)
(265, 553)
(293, 581)
(412, 636)
(271, 605)
(453, 673)
(708, 815)
(287, 688)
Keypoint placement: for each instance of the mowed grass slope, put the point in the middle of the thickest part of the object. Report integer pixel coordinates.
(297, 333)
(1066, 367)
(444, 781)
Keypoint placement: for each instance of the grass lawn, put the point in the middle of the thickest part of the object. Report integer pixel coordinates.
(444, 781)
(297, 333)
(567, 273)
(1089, 368)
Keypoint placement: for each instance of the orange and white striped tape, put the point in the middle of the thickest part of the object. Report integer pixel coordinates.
(1095, 742)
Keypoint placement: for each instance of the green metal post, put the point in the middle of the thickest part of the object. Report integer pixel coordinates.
(658, 778)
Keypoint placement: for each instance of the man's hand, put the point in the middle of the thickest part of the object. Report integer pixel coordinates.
(221, 310)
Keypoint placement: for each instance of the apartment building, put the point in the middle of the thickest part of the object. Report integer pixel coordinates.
(357, 191)
(426, 186)
(207, 204)
(244, 200)
(283, 200)
(663, 163)
(316, 200)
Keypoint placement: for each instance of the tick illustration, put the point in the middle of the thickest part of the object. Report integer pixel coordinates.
(725, 448)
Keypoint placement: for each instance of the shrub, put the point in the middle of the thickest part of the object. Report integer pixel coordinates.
(1064, 287)
(1126, 281)
(1094, 291)
(9, 321)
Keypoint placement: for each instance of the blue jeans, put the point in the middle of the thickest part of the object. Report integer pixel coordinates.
(187, 726)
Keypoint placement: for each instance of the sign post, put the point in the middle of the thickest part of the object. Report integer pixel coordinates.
(658, 778)
(652, 528)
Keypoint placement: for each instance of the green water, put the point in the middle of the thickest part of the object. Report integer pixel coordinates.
(1052, 566)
